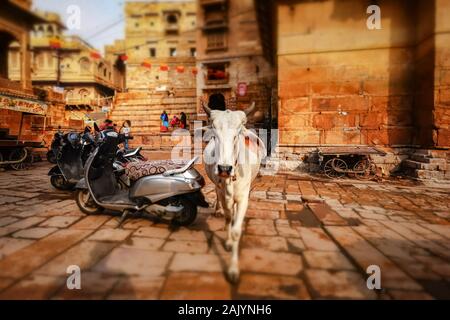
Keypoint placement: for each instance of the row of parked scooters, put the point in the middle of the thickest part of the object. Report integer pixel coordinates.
(95, 167)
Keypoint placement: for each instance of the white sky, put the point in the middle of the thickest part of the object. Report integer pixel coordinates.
(102, 21)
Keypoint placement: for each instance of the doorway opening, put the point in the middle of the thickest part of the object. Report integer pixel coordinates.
(217, 102)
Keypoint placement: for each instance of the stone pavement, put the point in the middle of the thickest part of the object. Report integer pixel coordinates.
(304, 239)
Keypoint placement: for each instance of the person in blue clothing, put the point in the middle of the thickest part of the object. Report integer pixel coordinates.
(164, 121)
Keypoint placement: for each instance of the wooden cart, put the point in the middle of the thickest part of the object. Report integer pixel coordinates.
(17, 154)
(355, 162)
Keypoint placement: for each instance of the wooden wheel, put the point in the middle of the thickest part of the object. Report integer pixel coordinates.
(335, 168)
(364, 170)
(16, 155)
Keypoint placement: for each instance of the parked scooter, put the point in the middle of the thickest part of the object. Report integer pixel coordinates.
(69, 168)
(130, 155)
(173, 195)
(54, 147)
(71, 157)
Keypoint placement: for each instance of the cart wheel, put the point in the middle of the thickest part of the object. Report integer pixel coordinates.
(365, 170)
(16, 155)
(335, 168)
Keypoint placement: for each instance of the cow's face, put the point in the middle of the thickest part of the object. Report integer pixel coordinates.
(227, 128)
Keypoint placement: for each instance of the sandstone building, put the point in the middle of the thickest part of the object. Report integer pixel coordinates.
(26, 113)
(159, 45)
(343, 84)
(160, 53)
(88, 80)
(233, 71)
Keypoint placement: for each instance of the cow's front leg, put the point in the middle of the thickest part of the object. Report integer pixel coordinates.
(236, 231)
(219, 211)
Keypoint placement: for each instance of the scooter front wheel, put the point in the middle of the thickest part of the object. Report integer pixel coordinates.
(188, 215)
(60, 183)
(85, 202)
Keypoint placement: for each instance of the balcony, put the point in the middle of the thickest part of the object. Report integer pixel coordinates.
(87, 102)
(216, 77)
(172, 28)
(14, 88)
(215, 25)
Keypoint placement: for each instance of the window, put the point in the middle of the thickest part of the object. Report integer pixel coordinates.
(152, 52)
(83, 93)
(50, 60)
(172, 19)
(50, 30)
(216, 41)
(85, 65)
(217, 72)
(193, 52)
(173, 52)
(40, 59)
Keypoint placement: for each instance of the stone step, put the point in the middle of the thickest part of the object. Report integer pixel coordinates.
(157, 100)
(427, 159)
(154, 106)
(445, 154)
(151, 111)
(424, 166)
(431, 175)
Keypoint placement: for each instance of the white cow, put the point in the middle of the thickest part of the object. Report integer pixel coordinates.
(232, 161)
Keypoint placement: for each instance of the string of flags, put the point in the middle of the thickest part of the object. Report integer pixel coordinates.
(164, 67)
(56, 43)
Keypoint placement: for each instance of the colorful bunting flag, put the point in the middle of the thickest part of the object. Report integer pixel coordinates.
(180, 69)
(95, 55)
(146, 64)
(55, 43)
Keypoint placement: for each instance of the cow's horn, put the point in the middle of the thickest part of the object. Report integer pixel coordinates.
(206, 108)
(250, 109)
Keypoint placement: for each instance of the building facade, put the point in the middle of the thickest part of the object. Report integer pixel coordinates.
(341, 83)
(26, 113)
(233, 72)
(159, 45)
(89, 81)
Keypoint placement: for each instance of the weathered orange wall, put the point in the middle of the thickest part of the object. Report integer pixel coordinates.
(441, 115)
(341, 83)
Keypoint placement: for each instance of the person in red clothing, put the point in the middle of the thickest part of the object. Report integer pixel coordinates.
(107, 124)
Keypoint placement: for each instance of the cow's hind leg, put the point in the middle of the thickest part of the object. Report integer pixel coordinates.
(236, 231)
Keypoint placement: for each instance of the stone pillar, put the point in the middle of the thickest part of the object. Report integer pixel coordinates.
(25, 62)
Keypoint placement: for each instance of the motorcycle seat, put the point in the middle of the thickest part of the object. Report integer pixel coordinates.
(136, 170)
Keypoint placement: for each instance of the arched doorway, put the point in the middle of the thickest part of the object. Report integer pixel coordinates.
(217, 102)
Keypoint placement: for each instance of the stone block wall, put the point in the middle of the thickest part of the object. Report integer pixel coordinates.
(340, 83)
